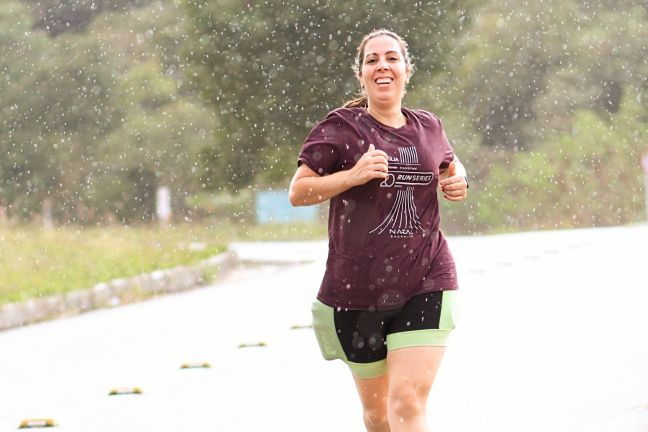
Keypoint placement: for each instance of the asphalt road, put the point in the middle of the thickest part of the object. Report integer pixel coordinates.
(552, 338)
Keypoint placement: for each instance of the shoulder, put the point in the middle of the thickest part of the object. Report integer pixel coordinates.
(344, 114)
(426, 118)
(334, 128)
(340, 120)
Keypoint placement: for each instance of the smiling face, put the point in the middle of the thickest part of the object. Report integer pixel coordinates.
(384, 71)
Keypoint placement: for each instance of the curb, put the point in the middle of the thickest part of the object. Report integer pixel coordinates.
(117, 292)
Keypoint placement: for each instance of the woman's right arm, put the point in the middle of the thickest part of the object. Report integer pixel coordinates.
(308, 187)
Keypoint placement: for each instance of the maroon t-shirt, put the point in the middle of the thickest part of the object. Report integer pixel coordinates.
(385, 245)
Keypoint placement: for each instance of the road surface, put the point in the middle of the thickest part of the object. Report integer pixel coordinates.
(552, 337)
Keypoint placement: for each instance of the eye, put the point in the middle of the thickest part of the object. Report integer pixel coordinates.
(371, 60)
(393, 58)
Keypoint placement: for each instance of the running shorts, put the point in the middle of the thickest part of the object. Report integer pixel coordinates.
(362, 338)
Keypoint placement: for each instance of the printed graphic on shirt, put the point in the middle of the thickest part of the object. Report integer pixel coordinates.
(404, 175)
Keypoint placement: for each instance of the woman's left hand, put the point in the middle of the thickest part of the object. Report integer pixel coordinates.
(454, 186)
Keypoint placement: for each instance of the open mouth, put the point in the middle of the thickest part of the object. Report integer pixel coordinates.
(384, 81)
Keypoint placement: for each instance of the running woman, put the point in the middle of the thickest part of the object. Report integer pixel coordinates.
(385, 303)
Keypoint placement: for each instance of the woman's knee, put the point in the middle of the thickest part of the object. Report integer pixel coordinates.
(407, 401)
(375, 418)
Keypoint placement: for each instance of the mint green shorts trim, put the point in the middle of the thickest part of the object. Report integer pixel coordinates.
(372, 359)
(330, 346)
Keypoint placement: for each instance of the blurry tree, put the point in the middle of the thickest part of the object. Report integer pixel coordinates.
(92, 121)
(164, 125)
(524, 68)
(54, 107)
(528, 74)
(60, 16)
(98, 110)
(75, 107)
(503, 65)
(19, 51)
(271, 70)
(607, 54)
(160, 139)
(587, 177)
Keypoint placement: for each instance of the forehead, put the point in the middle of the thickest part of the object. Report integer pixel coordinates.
(381, 45)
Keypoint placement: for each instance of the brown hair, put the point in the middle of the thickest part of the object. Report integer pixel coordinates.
(361, 101)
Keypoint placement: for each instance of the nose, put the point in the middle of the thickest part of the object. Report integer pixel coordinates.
(382, 64)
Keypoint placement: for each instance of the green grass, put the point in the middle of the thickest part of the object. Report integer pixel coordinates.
(283, 232)
(35, 262)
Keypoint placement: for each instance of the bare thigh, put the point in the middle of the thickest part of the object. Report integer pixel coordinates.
(413, 369)
(373, 392)
(409, 368)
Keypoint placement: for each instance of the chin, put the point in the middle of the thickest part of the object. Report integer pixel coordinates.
(388, 100)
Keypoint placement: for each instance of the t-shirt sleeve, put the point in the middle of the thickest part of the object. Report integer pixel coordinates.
(446, 147)
(320, 151)
(448, 151)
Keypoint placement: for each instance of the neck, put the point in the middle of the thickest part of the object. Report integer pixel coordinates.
(391, 116)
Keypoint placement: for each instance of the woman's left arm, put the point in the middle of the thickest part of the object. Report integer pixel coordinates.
(453, 181)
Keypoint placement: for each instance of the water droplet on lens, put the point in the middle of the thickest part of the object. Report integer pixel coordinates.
(358, 342)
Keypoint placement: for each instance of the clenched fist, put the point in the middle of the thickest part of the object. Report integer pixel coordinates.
(372, 165)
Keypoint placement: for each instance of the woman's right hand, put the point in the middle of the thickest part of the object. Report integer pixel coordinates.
(308, 187)
(372, 165)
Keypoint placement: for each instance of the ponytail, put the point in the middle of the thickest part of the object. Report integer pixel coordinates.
(360, 102)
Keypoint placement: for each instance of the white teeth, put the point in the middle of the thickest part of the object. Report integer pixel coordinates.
(383, 80)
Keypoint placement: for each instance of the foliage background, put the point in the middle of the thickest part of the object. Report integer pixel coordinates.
(104, 100)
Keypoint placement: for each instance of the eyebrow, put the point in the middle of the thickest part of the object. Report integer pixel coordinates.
(388, 52)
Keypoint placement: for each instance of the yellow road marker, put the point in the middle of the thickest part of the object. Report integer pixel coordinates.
(259, 344)
(203, 365)
(37, 423)
(125, 391)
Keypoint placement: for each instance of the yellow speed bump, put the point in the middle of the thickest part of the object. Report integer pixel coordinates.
(125, 391)
(37, 423)
(203, 365)
(301, 326)
(253, 345)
